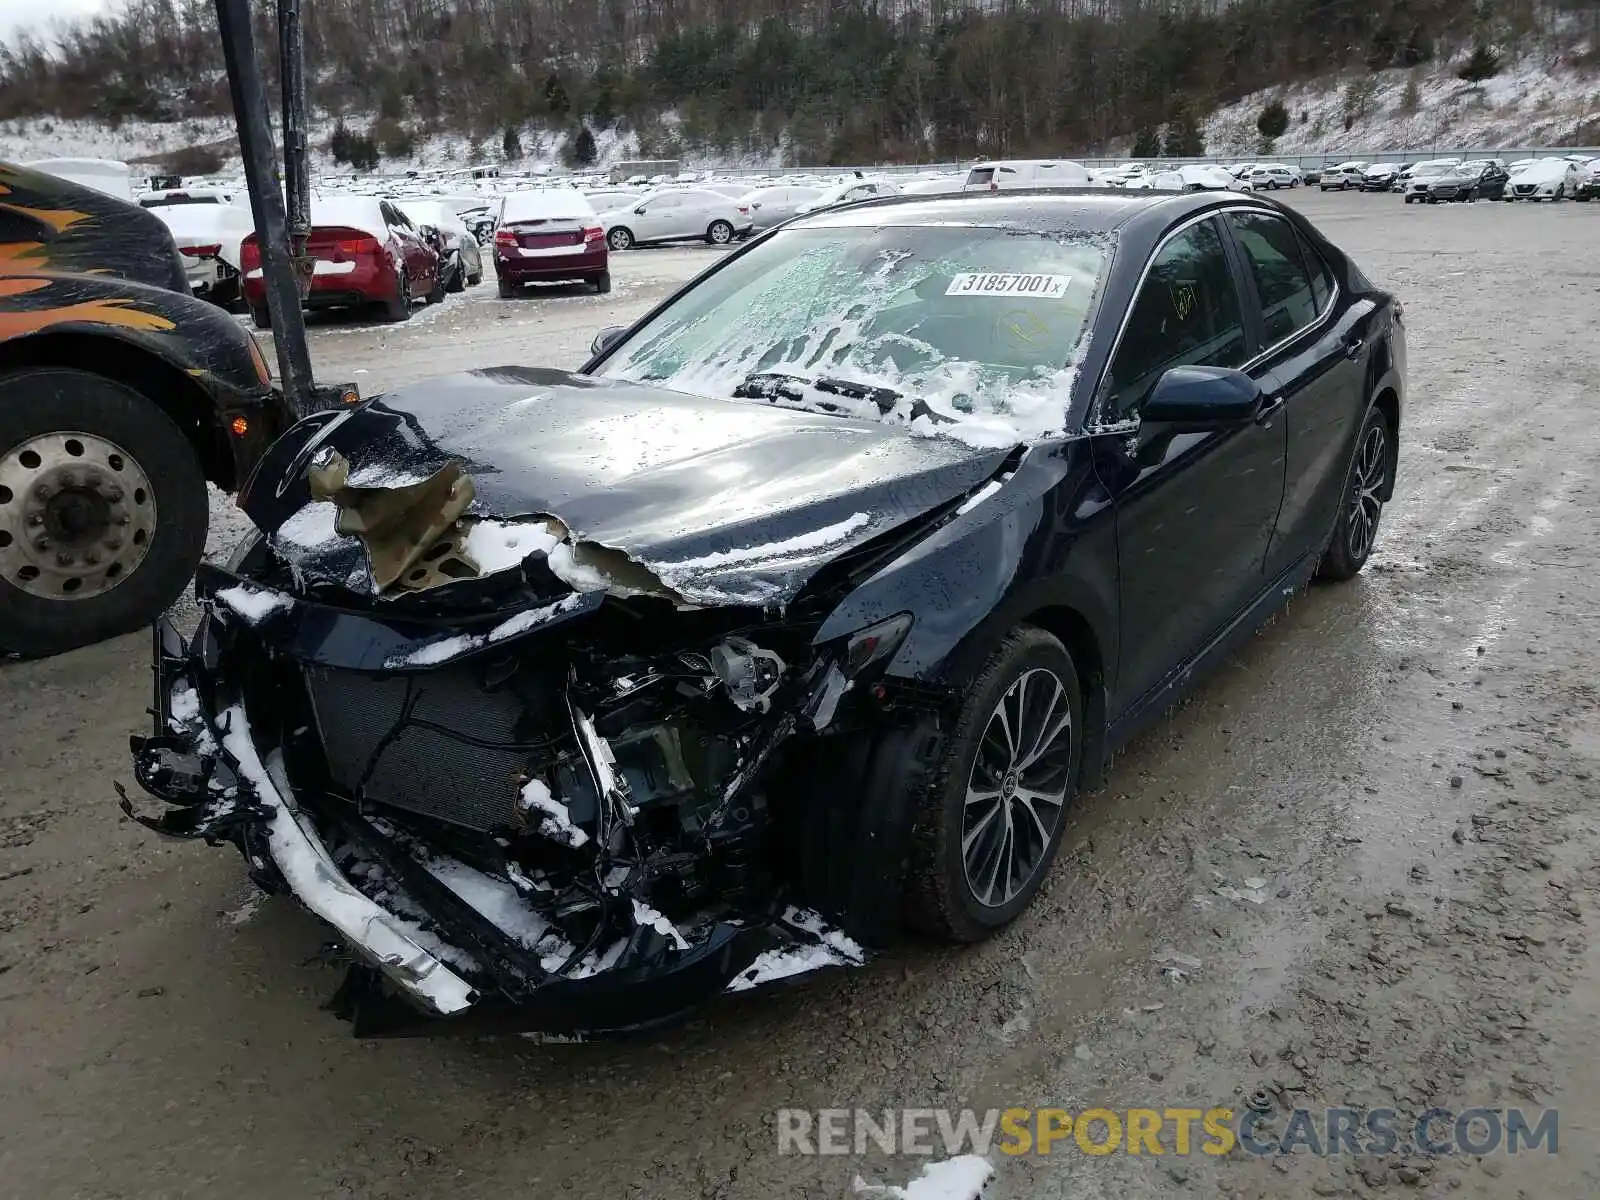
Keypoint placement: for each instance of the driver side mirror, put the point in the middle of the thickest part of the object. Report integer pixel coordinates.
(606, 338)
(1202, 398)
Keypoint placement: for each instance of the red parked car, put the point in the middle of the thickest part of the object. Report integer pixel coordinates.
(367, 252)
(548, 236)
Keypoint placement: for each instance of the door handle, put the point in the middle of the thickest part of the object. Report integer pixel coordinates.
(1269, 409)
(1353, 347)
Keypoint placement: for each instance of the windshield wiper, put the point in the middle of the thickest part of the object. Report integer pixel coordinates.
(777, 386)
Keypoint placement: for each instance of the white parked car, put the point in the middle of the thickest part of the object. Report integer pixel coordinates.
(731, 188)
(774, 205)
(1199, 177)
(674, 215)
(1269, 177)
(1544, 179)
(1344, 175)
(606, 198)
(1025, 173)
(463, 263)
(849, 192)
(182, 195)
(938, 185)
(208, 237)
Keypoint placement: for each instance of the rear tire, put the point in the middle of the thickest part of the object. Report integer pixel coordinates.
(1361, 507)
(602, 283)
(260, 316)
(136, 463)
(398, 308)
(620, 238)
(437, 292)
(989, 791)
(719, 233)
(506, 288)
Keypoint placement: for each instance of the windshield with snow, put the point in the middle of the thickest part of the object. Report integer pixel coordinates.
(951, 329)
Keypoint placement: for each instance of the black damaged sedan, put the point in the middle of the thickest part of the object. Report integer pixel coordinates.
(801, 613)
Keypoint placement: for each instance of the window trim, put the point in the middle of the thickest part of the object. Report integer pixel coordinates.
(1093, 422)
(1249, 280)
(1097, 406)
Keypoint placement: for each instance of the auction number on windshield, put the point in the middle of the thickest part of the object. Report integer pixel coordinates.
(1038, 287)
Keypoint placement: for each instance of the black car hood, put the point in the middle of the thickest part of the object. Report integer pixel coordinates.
(727, 501)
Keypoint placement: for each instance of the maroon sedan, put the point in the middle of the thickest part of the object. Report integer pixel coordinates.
(549, 236)
(367, 251)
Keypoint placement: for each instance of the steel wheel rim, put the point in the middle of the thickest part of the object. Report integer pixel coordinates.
(77, 516)
(1017, 787)
(1366, 503)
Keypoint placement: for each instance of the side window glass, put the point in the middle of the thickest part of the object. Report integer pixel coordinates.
(1321, 274)
(1272, 252)
(1187, 314)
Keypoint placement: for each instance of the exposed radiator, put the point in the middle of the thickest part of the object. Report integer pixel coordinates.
(428, 766)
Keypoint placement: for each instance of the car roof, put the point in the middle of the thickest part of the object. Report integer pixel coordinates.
(1040, 210)
(534, 203)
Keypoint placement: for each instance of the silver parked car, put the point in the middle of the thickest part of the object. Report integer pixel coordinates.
(771, 206)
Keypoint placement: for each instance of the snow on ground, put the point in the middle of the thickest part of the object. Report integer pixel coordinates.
(1537, 100)
(960, 1178)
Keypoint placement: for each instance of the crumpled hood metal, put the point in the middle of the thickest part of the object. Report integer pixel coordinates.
(727, 501)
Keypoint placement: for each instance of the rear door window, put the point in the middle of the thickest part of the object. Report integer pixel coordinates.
(1283, 283)
(1187, 313)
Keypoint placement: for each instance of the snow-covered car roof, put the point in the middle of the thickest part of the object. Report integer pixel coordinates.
(351, 212)
(544, 204)
(1545, 168)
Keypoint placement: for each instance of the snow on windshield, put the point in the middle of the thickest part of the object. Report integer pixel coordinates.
(974, 333)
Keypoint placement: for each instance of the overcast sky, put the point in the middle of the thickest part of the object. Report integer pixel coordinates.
(35, 14)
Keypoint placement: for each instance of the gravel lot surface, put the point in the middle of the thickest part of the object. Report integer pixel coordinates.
(1360, 866)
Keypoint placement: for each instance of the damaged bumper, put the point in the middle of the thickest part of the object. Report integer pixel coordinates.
(437, 943)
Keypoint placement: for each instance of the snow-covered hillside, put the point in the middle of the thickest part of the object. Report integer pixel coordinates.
(144, 141)
(1534, 101)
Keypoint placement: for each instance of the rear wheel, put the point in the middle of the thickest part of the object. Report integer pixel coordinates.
(440, 286)
(102, 510)
(719, 233)
(989, 826)
(507, 289)
(620, 238)
(1365, 491)
(260, 317)
(602, 283)
(398, 307)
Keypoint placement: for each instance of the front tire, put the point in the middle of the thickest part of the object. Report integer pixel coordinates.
(103, 510)
(989, 825)
(1366, 489)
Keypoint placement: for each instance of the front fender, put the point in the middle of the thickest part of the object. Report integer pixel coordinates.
(1040, 540)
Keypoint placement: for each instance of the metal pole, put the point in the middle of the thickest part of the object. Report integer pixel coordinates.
(296, 175)
(266, 203)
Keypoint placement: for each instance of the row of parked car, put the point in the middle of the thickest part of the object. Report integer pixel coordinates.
(1433, 181)
(368, 250)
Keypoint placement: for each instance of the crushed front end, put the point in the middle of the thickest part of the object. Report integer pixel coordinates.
(527, 807)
